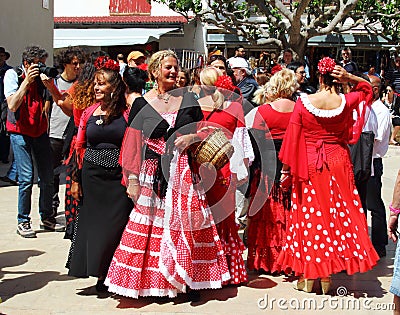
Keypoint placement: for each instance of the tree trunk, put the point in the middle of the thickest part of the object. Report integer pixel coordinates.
(298, 43)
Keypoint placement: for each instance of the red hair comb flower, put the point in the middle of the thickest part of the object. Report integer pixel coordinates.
(105, 62)
(326, 65)
(225, 82)
(276, 69)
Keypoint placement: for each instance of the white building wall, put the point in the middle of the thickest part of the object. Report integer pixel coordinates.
(26, 22)
(99, 8)
(159, 9)
(81, 7)
(193, 38)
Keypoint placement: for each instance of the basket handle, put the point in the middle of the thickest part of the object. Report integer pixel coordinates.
(206, 128)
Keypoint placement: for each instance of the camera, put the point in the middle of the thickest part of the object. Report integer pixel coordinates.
(51, 72)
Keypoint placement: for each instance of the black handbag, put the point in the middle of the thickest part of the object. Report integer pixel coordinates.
(361, 156)
(68, 134)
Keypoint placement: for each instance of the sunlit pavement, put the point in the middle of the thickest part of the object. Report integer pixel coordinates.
(33, 278)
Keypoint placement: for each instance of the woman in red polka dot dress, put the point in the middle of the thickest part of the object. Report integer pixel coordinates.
(327, 231)
(221, 112)
(170, 244)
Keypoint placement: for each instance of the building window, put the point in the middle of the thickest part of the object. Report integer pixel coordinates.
(45, 4)
(128, 7)
(359, 56)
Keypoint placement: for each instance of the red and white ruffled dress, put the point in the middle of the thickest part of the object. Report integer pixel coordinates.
(169, 244)
(327, 231)
(221, 190)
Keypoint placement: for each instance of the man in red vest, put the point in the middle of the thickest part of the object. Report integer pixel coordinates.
(26, 94)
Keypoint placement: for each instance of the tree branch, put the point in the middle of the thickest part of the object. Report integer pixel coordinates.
(343, 12)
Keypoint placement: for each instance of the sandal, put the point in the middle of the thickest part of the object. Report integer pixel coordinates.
(326, 285)
(303, 284)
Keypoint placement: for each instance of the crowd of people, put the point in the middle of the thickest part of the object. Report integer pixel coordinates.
(148, 219)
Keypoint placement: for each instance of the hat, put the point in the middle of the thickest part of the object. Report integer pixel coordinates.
(215, 53)
(238, 62)
(135, 55)
(2, 50)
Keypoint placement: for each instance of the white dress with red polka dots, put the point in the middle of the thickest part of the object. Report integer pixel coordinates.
(169, 244)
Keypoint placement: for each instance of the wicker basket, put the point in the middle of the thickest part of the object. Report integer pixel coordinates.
(215, 149)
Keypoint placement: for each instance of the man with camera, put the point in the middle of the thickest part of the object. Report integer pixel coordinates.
(27, 88)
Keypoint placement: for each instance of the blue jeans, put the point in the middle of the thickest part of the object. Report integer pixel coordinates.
(395, 286)
(12, 171)
(25, 149)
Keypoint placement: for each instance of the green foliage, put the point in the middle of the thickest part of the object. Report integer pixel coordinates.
(183, 6)
(322, 12)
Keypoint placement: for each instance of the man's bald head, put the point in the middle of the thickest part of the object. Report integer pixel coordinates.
(376, 85)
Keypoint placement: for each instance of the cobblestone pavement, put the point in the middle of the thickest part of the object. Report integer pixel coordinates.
(33, 278)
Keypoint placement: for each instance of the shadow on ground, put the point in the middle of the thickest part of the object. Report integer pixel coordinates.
(224, 294)
(23, 281)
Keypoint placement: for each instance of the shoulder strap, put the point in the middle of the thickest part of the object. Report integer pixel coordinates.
(20, 74)
(209, 115)
(56, 80)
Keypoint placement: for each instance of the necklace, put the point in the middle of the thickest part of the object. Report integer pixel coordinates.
(163, 96)
(100, 121)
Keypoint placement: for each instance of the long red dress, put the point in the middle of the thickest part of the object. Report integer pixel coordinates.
(327, 230)
(266, 231)
(220, 189)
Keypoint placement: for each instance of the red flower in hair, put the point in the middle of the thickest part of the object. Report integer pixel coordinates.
(326, 65)
(276, 69)
(105, 62)
(225, 82)
(148, 48)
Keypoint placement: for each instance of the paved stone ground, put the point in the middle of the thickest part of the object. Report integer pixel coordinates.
(33, 278)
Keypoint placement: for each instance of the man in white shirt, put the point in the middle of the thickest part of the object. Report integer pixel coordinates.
(70, 59)
(374, 186)
(239, 52)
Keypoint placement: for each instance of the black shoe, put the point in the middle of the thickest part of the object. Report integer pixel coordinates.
(100, 286)
(9, 180)
(52, 225)
(381, 252)
(194, 295)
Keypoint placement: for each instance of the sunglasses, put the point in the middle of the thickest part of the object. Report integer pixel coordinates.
(301, 72)
(389, 90)
(217, 57)
(75, 63)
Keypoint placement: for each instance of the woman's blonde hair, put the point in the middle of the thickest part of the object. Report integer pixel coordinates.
(281, 85)
(155, 61)
(208, 77)
(260, 95)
